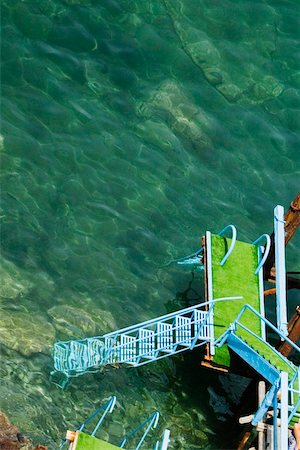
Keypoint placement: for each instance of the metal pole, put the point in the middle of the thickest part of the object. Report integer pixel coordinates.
(261, 432)
(284, 411)
(279, 235)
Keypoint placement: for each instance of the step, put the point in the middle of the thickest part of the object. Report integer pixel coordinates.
(137, 344)
(164, 337)
(146, 343)
(111, 350)
(268, 352)
(201, 328)
(127, 349)
(183, 331)
(252, 357)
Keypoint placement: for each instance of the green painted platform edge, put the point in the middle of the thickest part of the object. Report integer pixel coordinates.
(88, 442)
(235, 278)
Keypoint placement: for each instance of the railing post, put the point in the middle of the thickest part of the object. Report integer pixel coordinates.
(210, 292)
(279, 236)
(165, 440)
(284, 411)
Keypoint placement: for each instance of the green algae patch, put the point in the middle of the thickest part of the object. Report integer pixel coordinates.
(235, 278)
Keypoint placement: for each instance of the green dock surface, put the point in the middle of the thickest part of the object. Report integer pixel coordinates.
(87, 442)
(235, 278)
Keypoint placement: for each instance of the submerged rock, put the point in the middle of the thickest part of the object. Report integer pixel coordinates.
(105, 321)
(25, 333)
(18, 283)
(13, 283)
(233, 55)
(77, 323)
(71, 321)
(185, 119)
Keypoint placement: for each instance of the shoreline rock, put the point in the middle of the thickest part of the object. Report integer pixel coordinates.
(12, 439)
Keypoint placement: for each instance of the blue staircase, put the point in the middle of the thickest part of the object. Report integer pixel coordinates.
(136, 345)
(252, 357)
(284, 377)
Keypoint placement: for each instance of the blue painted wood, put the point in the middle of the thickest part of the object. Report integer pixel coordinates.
(253, 358)
(267, 402)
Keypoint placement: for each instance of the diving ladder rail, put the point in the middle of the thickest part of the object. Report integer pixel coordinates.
(152, 422)
(107, 408)
(195, 260)
(138, 344)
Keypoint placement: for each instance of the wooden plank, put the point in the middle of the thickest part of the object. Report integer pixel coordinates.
(294, 333)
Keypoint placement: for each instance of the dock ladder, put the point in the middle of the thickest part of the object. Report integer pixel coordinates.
(83, 440)
(281, 373)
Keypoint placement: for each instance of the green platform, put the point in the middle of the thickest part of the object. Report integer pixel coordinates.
(86, 442)
(235, 278)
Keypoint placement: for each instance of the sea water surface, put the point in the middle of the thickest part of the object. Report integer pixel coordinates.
(128, 129)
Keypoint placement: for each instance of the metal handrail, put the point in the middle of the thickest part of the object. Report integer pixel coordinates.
(181, 260)
(113, 346)
(267, 250)
(109, 406)
(170, 315)
(294, 410)
(289, 363)
(267, 322)
(153, 419)
(234, 233)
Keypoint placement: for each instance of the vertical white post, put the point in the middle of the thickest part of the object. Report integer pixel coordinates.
(210, 291)
(166, 440)
(261, 431)
(284, 411)
(279, 238)
(261, 294)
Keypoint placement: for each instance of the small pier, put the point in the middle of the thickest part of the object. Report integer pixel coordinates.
(231, 325)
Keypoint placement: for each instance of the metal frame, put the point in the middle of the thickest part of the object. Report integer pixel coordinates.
(114, 349)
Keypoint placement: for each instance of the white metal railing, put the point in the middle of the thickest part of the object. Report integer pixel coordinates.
(138, 344)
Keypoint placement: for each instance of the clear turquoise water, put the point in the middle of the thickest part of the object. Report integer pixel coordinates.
(128, 129)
